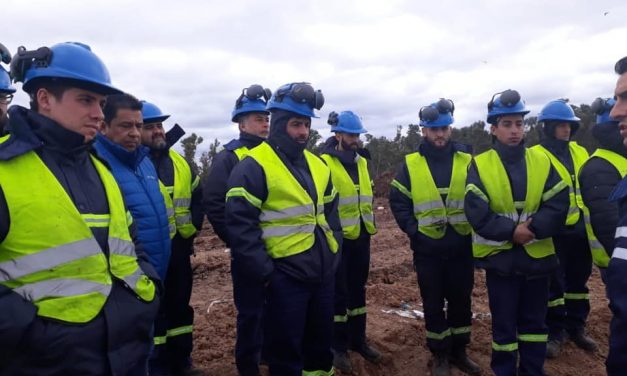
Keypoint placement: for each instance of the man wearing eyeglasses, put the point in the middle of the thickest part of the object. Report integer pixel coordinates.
(616, 278)
(349, 171)
(598, 177)
(284, 233)
(515, 202)
(6, 89)
(427, 198)
(252, 118)
(174, 328)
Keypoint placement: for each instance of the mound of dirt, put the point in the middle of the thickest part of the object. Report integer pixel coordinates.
(391, 287)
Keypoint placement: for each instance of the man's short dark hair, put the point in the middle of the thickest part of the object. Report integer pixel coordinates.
(117, 102)
(54, 86)
(621, 66)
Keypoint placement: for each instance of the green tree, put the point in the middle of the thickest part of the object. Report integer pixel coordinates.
(190, 144)
(207, 157)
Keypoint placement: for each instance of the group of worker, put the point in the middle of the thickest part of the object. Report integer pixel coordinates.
(98, 216)
(97, 220)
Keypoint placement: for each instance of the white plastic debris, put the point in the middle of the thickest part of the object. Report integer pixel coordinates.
(380, 208)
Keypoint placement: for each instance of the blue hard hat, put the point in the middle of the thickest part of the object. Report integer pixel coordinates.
(504, 103)
(602, 107)
(5, 82)
(69, 60)
(253, 99)
(438, 114)
(152, 113)
(297, 97)
(558, 110)
(346, 122)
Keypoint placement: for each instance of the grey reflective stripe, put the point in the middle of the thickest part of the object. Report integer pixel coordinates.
(320, 209)
(578, 191)
(595, 244)
(89, 221)
(458, 218)
(350, 221)
(121, 247)
(183, 219)
(620, 253)
(182, 202)
(60, 288)
(478, 239)
(365, 199)
(48, 259)
(269, 232)
(171, 227)
(431, 221)
(368, 217)
(349, 200)
(428, 205)
(169, 212)
(573, 210)
(270, 215)
(621, 232)
(455, 204)
(132, 279)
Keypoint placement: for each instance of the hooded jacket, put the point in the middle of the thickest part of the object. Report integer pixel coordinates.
(242, 218)
(119, 336)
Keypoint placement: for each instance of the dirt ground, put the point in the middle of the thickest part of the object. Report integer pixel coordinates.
(392, 282)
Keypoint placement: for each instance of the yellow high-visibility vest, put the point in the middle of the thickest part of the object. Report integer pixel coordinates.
(355, 204)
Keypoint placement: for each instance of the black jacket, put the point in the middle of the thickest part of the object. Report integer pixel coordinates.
(215, 183)
(165, 170)
(120, 335)
(242, 222)
(546, 222)
(597, 180)
(440, 162)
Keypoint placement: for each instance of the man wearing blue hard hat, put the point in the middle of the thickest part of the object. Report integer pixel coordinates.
(616, 276)
(284, 233)
(174, 326)
(598, 177)
(252, 118)
(6, 89)
(349, 173)
(515, 202)
(569, 302)
(77, 292)
(427, 198)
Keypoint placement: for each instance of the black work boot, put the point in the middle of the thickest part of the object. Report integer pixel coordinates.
(368, 352)
(342, 362)
(583, 341)
(440, 366)
(460, 359)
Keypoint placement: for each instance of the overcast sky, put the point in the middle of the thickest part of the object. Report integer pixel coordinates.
(381, 59)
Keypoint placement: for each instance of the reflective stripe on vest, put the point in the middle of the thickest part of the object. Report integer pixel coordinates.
(499, 196)
(182, 194)
(355, 203)
(169, 209)
(241, 152)
(431, 213)
(58, 265)
(579, 156)
(288, 215)
(599, 255)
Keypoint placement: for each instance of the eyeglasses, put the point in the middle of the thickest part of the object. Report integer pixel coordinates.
(302, 92)
(601, 105)
(430, 113)
(6, 98)
(508, 98)
(254, 92)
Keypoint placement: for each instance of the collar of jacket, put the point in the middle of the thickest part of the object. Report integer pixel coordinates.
(30, 130)
(510, 154)
(131, 159)
(559, 147)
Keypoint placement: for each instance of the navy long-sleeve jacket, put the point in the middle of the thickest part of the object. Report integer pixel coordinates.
(546, 222)
(242, 220)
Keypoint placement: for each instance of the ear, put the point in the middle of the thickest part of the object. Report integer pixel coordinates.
(44, 98)
(492, 128)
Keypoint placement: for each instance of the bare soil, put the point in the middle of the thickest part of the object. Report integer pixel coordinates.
(392, 282)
